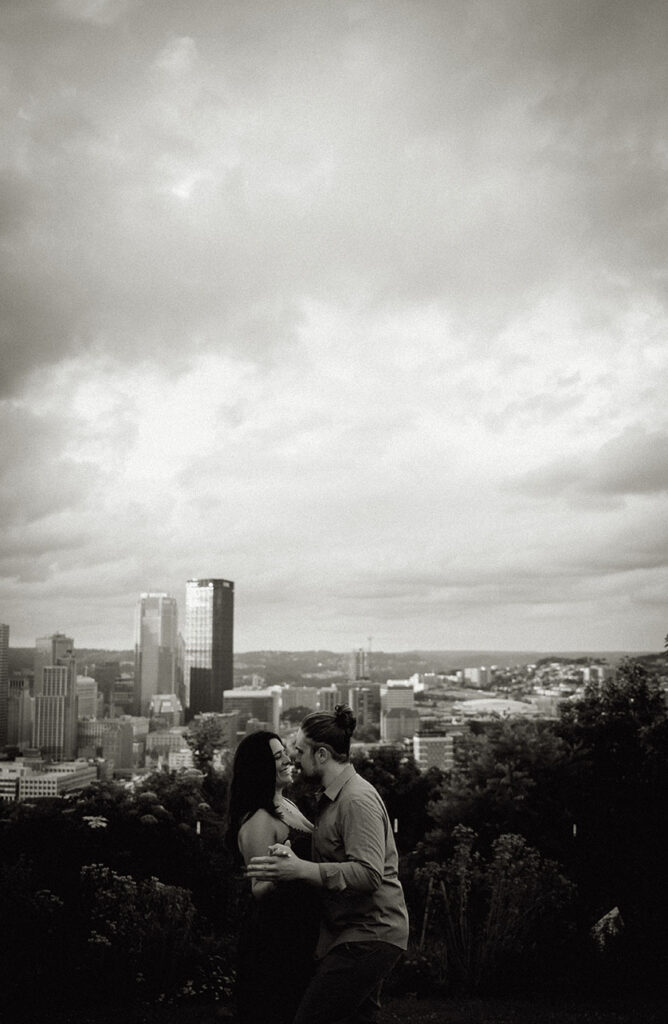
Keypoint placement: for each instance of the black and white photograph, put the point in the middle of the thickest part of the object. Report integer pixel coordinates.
(334, 511)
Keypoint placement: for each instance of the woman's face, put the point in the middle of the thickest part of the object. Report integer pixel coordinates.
(283, 763)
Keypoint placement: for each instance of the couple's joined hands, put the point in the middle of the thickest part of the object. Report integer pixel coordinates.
(279, 864)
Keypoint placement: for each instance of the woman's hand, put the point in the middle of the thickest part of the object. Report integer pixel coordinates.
(281, 849)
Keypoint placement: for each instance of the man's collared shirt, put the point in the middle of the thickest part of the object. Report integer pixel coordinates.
(353, 844)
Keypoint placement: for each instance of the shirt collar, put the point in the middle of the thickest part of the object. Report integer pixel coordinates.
(335, 787)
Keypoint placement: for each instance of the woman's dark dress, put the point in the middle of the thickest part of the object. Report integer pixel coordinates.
(276, 944)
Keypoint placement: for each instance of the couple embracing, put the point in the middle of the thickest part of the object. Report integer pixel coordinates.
(328, 919)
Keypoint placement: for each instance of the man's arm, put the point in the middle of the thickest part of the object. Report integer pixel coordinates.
(363, 833)
(363, 829)
(282, 865)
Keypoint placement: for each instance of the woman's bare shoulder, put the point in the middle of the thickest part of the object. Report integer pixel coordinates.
(258, 832)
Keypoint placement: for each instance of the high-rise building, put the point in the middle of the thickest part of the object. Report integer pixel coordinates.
(109, 738)
(359, 664)
(209, 636)
(106, 674)
(19, 713)
(87, 697)
(4, 682)
(50, 650)
(156, 637)
(55, 722)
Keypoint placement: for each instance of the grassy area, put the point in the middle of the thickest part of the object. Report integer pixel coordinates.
(511, 1011)
(408, 1010)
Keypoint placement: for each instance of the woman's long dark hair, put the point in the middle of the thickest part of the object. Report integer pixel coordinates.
(253, 784)
(331, 729)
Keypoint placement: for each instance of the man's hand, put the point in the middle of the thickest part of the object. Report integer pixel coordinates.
(280, 865)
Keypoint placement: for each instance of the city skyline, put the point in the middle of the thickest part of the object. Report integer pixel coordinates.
(361, 305)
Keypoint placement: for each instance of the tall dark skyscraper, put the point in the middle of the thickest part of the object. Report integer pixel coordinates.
(209, 644)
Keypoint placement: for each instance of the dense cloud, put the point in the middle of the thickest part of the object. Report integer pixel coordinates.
(360, 304)
(635, 462)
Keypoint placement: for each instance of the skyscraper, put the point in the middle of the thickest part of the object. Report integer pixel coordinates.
(156, 636)
(209, 633)
(359, 664)
(4, 682)
(50, 650)
(55, 721)
(19, 713)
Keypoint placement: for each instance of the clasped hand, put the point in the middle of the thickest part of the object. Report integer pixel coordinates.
(280, 864)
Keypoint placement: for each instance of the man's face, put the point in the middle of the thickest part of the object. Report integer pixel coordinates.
(304, 756)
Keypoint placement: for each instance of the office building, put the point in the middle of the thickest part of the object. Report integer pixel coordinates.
(56, 780)
(19, 713)
(56, 649)
(298, 697)
(10, 773)
(165, 711)
(4, 682)
(262, 705)
(209, 633)
(106, 673)
(398, 724)
(398, 695)
(435, 750)
(86, 688)
(55, 717)
(359, 664)
(479, 676)
(107, 738)
(156, 638)
(163, 742)
(123, 696)
(366, 703)
(327, 697)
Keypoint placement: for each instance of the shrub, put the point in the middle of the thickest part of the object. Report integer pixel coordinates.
(497, 917)
(140, 931)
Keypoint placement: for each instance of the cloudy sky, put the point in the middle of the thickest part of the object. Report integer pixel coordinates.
(362, 304)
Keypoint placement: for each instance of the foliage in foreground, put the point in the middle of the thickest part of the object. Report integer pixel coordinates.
(507, 862)
(492, 916)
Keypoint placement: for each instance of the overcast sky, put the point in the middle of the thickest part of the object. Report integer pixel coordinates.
(362, 304)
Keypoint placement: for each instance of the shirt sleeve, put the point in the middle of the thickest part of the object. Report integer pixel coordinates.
(363, 830)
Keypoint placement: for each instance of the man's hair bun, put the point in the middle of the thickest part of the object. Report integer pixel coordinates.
(344, 718)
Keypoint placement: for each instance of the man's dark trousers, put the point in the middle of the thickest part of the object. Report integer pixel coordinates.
(347, 982)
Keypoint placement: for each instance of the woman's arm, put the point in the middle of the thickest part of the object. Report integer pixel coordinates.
(255, 837)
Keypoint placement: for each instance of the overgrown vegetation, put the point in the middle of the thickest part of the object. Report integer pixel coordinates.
(125, 895)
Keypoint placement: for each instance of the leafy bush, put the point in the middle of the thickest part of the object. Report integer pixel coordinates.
(494, 917)
(140, 931)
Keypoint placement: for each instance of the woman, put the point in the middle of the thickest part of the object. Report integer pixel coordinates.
(280, 926)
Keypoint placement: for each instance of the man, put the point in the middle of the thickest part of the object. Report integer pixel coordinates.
(364, 924)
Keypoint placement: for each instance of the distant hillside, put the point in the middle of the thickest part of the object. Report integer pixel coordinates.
(320, 668)
(21, 659)
(323, 667)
